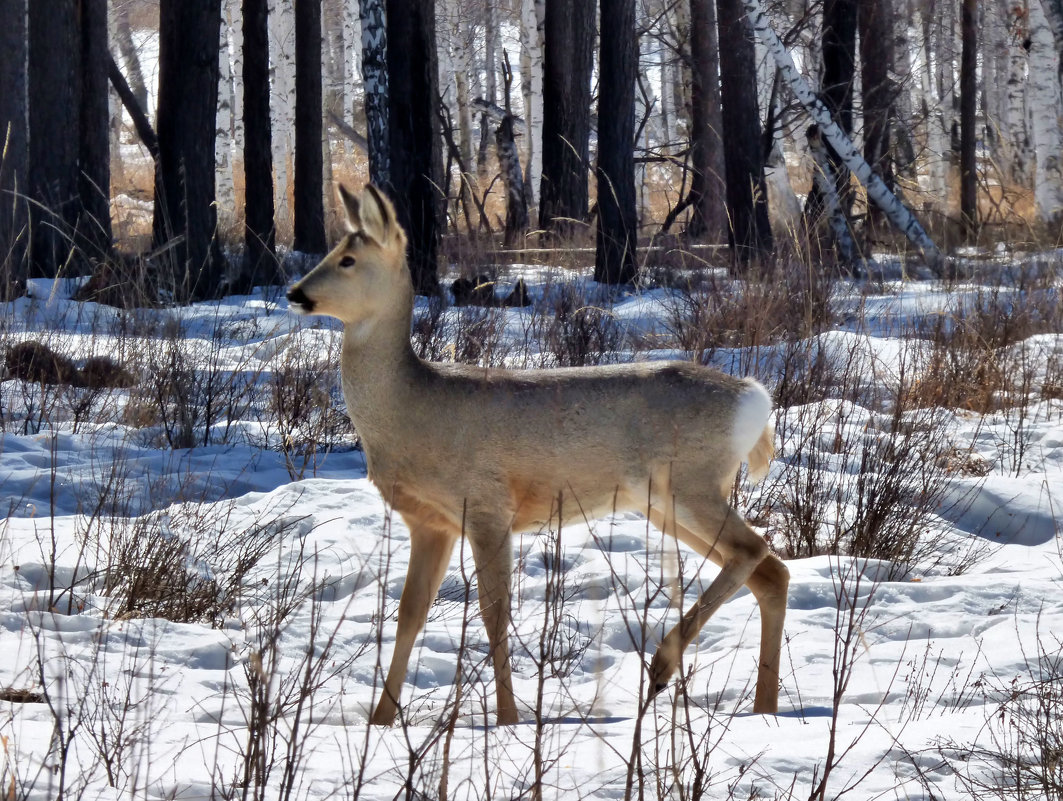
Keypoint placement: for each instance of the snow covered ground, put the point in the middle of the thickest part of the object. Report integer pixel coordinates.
(899, 681)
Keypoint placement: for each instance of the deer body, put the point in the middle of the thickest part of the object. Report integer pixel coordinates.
(463, 450)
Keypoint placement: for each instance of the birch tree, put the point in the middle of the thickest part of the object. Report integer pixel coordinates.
(282, 102)
(225, 139)
(130, 56)
(531, 70)
(877, 191)
(1044, 108)
(490, 65)
(1016, 132)
(936, 85)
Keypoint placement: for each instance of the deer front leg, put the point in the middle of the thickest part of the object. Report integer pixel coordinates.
(492, 551)
(429, 557)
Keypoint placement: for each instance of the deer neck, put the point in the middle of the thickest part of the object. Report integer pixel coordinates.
(381, 373)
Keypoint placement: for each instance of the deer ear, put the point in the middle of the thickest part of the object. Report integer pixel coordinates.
(378, 215)
(353, 207)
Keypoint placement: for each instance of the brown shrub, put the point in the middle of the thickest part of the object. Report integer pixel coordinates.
(35, 362)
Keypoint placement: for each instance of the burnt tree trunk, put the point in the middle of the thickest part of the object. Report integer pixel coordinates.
(747, 196)
(309, 229)
(513, 179)
(708, 219)
(568, 34)
(14, 135)
(617, 230)
(839, 69)
(260, 232)
(54, 121)
(876, 61)
(375, 82)
(94, 177)
(415, 153)
(185, 220)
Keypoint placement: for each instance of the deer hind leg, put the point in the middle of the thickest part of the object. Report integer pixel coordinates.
(429, 556)
(769, 584)
(719, 533)
(492, 552)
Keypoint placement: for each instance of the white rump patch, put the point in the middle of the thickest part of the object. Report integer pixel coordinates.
(752, 414)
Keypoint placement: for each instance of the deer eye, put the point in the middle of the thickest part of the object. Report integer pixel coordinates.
(347, 261)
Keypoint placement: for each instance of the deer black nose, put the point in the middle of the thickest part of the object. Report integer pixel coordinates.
(296, 297)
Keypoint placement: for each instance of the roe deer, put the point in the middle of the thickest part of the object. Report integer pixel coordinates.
(460, 450)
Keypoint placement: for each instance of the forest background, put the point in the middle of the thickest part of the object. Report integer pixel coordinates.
(499, 122)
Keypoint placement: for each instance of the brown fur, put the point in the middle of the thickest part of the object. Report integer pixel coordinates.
(466, 451)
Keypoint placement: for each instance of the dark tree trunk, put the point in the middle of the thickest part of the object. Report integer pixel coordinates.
(185, 221)
(839, 69)
(375, 81)
(839, 59)
(54, 111)
(94, 229)
(260, 233)
(968, 109)
(747, 196)
(617, 231)
(708, 219)
(568, 37)
(14, 135)
(513, 179)
(876, 61)
(415, 143)
(309, 159)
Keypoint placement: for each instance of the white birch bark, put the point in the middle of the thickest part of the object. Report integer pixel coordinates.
(669, 134)
(236, 60)
(490, 70)
(937, 138)
(1053, 11)
(282, 117)
(877, 191)
(225, 187)
(1044, 108)
(116, 110)
(783, 204)
(826, 182)
(1016, 133)
(680, 72)
(531, 67)
(461, 45)
(334, 57)
(352, 35)
(903, 118)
